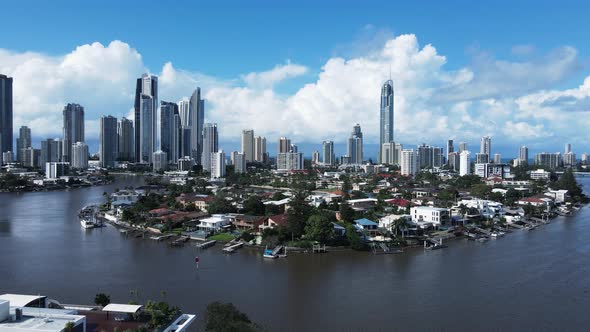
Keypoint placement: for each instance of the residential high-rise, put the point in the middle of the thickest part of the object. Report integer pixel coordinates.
(569, 159)
(465, 163)
(239, 161)
(32, 157)
(125, 137)
(424, 156)
(485, 147)
(248, 144)
(5, 113)
(169, 130)
(145, 122)
(160, 159)
(79, 155)
(259, 149)
(450, 147)
(50, 151)
(108, 141)
(481, 158)
(454, 161)
(315, 157)
(388, 153)
(523, 154)
(218, 164)
(7, 157)
(210, 144)
(22, 142)
(184, 112)
(386, 114)
(294, 148)
(549, 160)
(73, 129)
(584, 158)
(328, 157)
(462, 147)
(437, 157)
(568, 148)
(408, 162)
(397, 155)
(185, 142)
(289, 161)
(355, 145)
(284, 145)
(197, 120)
(497, 158)
(55, 169)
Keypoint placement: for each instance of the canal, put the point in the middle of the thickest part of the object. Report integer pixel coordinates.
(525, 281)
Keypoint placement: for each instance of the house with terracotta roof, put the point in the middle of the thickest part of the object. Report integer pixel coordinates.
(245, 222)
(274, 222)
(537, 201)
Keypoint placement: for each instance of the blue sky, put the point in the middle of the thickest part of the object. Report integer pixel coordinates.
(216, 43)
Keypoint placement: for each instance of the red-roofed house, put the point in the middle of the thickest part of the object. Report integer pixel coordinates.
(274, 222)
(399, 202)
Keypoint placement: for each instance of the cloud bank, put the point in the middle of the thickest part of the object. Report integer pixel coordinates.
(514, 101)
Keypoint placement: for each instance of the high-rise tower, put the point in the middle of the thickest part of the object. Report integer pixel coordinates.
(146, 100)
(386, 115)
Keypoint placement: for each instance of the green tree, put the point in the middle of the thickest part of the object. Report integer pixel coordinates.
(298, 213)
(511, 197)
(346, 212)
(220, 205)
(355, 240)
(481, 190)
(102, 299)
(568, 182)
(253, 205)
(225, 317)
(319, 228)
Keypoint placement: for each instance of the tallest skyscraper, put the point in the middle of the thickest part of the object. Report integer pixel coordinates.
(146, 106)
(386, 115)
(5, 113)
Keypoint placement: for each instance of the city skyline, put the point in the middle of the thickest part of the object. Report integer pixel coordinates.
(514, 92)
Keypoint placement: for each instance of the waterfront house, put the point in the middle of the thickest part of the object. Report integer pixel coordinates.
(365, 224)
(214, 223)
(389, 221)
(427, 216)
(559, 196)
(124, 198)
(245, 222)
(274, 222)
(338, 229)
(536, 201)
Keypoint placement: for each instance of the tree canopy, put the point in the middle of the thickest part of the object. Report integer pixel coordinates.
(225, 317)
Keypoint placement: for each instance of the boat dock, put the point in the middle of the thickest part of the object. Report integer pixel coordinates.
(180, 241)
(161, 237)
(232, 248)
(205, 245)
(318, 248)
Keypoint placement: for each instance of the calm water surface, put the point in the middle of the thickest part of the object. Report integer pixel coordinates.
(525, 281)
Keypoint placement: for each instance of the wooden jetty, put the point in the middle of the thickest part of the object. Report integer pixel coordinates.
(206, 244)
(233, 247)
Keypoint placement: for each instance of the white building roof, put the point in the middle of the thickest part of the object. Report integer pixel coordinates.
(20, 300)
(126, 308)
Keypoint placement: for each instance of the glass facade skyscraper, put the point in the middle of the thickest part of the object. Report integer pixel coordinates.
(5, 113)
(386, 115)
(145, 122)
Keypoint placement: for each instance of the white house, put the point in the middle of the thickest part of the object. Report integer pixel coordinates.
(424, 216)
(558, 195)
(214, 223)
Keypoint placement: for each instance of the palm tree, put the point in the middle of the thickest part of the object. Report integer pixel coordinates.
(463, 210)
(399, 225)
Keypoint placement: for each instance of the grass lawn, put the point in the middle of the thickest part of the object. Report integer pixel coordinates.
(225, 237)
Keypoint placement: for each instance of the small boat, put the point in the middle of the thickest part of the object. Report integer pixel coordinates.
(268, 253)
(494, 235)
(87, 223)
